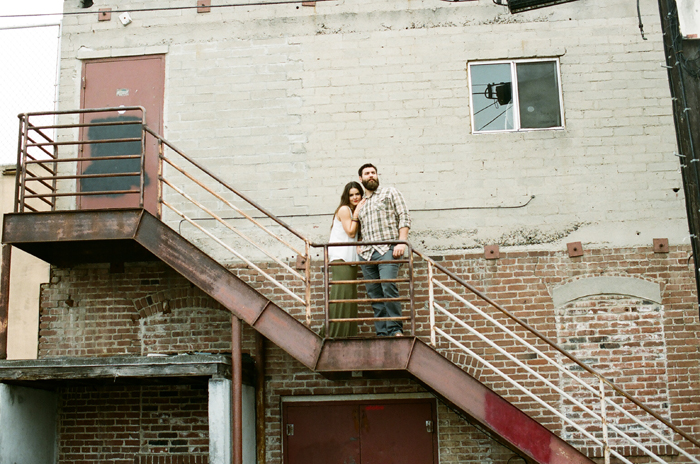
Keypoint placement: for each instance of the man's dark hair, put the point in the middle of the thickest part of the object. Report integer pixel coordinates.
(366, 165)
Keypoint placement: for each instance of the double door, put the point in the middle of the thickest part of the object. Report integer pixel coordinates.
(360, 432)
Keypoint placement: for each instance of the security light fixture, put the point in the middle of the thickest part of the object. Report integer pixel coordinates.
(516, 6)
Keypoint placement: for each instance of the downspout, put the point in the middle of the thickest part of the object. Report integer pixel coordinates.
(236, 392)
(260, 397)
(684, 135)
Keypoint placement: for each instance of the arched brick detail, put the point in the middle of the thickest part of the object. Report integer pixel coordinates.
(164, 301)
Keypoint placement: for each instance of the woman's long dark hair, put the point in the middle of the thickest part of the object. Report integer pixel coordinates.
(345, 197)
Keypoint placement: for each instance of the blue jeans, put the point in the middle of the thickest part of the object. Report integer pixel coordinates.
(383, 290)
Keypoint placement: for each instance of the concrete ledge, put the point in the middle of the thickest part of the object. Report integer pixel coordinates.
(114, 368)
(606, 286)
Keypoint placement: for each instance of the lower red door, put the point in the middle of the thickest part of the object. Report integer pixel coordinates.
(361, 432)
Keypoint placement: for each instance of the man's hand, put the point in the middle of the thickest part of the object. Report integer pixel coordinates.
(399, 250)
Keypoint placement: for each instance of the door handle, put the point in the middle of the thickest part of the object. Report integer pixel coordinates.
(429, 426)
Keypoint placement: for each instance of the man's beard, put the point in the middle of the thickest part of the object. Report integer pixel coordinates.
(371, 184)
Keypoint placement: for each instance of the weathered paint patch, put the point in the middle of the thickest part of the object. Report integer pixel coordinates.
(517, 428)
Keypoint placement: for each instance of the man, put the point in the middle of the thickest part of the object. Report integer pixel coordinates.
(383, 216)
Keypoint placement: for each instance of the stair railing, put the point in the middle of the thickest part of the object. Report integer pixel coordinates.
(38, 159)
(186, 185)
(40, 166)
(608, 396)
(328, 283)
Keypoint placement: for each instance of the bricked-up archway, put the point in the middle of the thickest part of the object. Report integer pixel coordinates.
(623, 338)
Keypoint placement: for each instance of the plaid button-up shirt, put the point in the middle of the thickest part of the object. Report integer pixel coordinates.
(381, 217)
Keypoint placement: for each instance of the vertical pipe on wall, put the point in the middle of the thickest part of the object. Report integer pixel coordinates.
(685, 103)
(260, 397)
(4, 298)
(236, 392)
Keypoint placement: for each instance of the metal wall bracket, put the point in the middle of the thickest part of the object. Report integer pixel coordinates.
(104, 14)
(575, 249)
(491, 252)
(660, 245)
(203, 6)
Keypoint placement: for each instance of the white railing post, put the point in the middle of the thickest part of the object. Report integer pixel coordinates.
(604, 422)
(431, 301)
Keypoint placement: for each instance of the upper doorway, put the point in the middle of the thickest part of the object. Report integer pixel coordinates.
(120, 82)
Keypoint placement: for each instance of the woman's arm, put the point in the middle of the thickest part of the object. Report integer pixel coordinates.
(350, 223)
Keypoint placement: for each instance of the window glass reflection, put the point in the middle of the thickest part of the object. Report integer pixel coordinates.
(492, 97)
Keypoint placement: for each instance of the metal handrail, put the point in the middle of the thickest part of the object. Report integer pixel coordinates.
(22, 193)
(327, 282)
(602, 380)
(49, 176)
(166, 160)
(227, 186)
(555, 346)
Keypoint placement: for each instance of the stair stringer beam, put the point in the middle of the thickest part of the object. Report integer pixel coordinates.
(235, 295)
(489, 409)
(430, 368)
(516, 429)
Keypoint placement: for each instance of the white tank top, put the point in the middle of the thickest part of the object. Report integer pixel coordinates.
(338, 235)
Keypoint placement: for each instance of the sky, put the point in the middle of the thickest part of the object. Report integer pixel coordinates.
(28, 63)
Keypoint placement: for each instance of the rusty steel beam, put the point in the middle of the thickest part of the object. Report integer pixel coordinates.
(70, 226)
(289, 334)
(74, 237)
(234, 294)
(369, 354)
(490, 410)
(200, 269)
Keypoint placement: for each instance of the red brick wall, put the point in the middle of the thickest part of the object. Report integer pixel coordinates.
(134, 424)
(87, 311)
(148, 308)
(458, 441)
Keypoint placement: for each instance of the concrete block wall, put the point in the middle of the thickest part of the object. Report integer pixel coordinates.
(286, 102)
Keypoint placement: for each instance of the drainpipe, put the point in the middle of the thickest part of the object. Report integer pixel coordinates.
(685, 93)
(4, 298)
(236, 392)
(260, 397)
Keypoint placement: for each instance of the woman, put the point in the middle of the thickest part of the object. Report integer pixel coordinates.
(344, 229)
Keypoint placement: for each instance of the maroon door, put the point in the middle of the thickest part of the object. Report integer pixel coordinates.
(397, 433)
(322, 434)
(133, 81)
(370, 432)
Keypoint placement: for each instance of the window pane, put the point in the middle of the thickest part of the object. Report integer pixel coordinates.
(538, 92)
(492, 97)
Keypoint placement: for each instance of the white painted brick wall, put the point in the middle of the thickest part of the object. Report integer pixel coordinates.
(286, 103)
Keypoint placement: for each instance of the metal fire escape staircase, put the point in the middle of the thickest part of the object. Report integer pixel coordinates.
(478, 357)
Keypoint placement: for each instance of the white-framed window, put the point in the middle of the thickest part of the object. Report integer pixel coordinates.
(515, 95)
